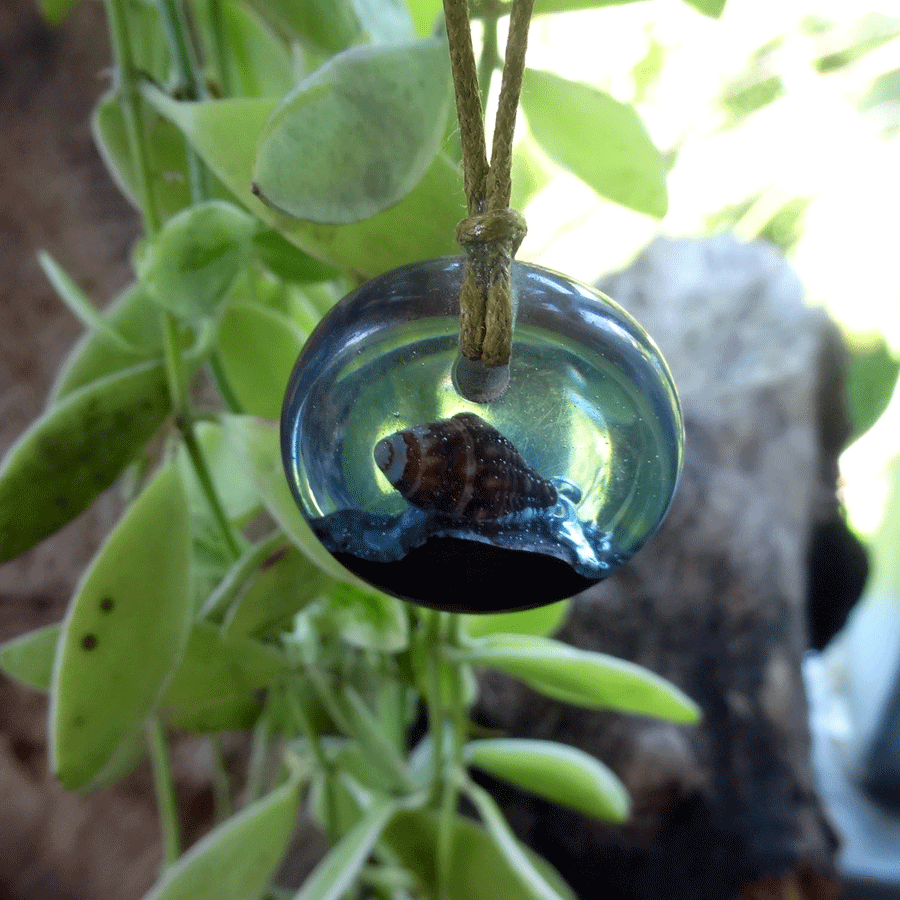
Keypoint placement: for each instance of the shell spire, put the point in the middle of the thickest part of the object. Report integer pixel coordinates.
(462, 467)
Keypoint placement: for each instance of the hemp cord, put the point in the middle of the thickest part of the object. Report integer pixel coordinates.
(492, 233)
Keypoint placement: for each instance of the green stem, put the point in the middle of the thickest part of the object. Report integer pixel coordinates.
(186, 68)
(220, 51)
(127, 78)
(298, 713)
(259, 752)
(190, 80)
(442, 788)
(239, 574)
(184, 415)
(220, 784)
(223, 384)
(165, 791)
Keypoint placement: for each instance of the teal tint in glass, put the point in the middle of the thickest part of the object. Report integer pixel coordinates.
(519, 502)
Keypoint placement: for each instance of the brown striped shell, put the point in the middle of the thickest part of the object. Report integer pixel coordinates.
(462, 467)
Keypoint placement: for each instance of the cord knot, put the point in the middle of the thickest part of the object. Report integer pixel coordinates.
(489, 240)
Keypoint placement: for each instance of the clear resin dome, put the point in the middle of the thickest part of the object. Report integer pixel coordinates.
(481, 506)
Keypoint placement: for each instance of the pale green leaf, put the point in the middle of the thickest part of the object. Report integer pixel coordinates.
(531, 879)
(284, 585)
(136, 319)
(74, 451)
(340, 868)
(81, 307)
(29, 657)
(557, 772)
(541, 621)
(597, 138)
(240, 501)
(190, 265)
(583, 677)
(711, 8)
(368, 620)
(257, 349)
(236, 860)
(477, 870)
(423, 225)
(258, 442)
(367, 126)
(134, 595)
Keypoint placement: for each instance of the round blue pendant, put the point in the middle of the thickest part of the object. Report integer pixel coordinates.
(481, 506)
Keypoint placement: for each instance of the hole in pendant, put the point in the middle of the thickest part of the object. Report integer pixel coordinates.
(477, 382)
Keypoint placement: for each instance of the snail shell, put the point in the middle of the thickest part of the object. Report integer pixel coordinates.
(462, 467)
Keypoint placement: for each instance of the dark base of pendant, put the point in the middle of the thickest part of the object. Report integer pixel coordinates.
(456, 575)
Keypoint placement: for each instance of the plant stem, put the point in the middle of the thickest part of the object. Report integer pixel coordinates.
(190, 80)
(186, 67)
(127, 84)
(165, 791)
(131, 110)
(257, 763)
(220, 53)
(434, 700)
(184, 416)
(298, 713)
(223, 385)
(444, 789)
(218, 602)
(220, 784)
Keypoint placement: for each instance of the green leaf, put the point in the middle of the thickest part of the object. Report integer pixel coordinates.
(189, 267)
(542, 7)
(327, 26)
(477, 870)
(340, 868)
(557, 772)
(506, 842)
(29, 658)
(457, 683)
(367, 126)
(286, 261)
(258, 348)
(54, 11)
(74, 451)
(384, 21)
(124, 632)
(711, 8)
(542, 621)
(239, 500)
(236, 860)
(166, 150)
(597, 138)
(217, 668)
(583, 677)
(258, 61)
(424, 14)
(368, 620)
(285, 584)
(422, 226)
(130, 315)
(258, 443)
(871, 380)
(80, 306)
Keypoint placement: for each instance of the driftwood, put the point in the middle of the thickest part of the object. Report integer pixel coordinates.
(715, 602)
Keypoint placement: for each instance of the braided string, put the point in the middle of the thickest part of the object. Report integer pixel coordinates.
(492, 232)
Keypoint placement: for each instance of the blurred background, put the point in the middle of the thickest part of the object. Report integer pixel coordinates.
(780, 121)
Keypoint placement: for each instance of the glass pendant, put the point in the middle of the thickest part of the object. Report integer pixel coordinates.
(481, 505)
